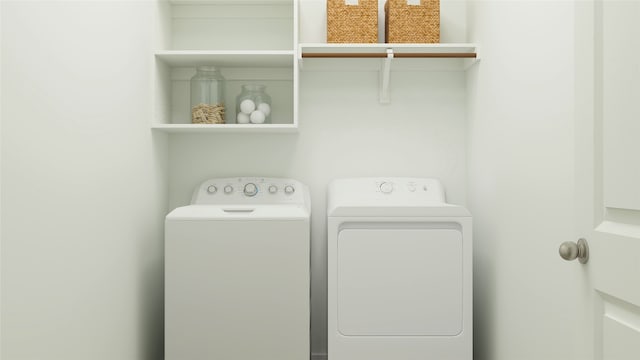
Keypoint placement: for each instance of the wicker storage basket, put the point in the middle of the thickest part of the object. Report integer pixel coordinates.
(406, 23)
(352, 23)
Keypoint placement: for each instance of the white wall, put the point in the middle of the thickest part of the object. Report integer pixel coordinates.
(83, 183)
(85, 180)
(345, 132)
(1, 113)
(521, 171)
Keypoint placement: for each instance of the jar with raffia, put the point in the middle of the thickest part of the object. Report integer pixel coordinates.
(207, 96)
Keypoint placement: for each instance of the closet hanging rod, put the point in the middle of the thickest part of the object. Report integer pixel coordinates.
(384, 55)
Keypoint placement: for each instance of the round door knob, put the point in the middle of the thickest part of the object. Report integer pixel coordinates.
(228, 189)
(289, 189)
(386, 187)
(250, 189)
(212, 189)
(570, 250)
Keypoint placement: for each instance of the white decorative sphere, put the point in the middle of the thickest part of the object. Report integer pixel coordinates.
(265, 108)
(247, 106)
(257, 117)
(242, 118)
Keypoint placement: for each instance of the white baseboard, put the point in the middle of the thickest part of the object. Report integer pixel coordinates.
(319, 356)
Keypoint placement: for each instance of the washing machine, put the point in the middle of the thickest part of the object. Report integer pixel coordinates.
(237, 272)
(399, 271)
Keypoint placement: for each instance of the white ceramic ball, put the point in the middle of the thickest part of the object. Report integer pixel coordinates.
(242, 118)
(257, 117)
(265, 108)
(247, 106)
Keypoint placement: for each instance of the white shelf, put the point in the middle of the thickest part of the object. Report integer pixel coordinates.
(453, 50)
(439, 57)
(226, 128)
(249, 41)
(227, 58)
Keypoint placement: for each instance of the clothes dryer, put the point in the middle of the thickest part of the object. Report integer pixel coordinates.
(399, 271)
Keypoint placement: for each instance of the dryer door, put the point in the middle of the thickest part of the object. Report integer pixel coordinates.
(400, 279)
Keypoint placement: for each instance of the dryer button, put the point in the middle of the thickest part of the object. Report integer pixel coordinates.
(386, 187)
(212, 189)
(289, 189)
(228, 189)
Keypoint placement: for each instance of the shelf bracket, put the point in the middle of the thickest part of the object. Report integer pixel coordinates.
(385, 73)
(299, 57)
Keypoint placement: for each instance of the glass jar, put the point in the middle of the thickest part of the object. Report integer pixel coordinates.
(207, 96)
(253, 105)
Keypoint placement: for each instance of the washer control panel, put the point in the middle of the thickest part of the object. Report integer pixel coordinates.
(249, 190)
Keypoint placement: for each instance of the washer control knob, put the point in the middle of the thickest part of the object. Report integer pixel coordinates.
(228, 189)
(386, 187)
(273, 189)
(289, 189)
(212, 189)
(250, 189)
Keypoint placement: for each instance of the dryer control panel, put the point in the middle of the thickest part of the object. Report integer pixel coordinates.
(411, 185)
(389, 192)
(403, 189)
(250, 190)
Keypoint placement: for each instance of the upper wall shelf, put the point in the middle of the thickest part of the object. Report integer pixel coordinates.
(227, 58)
(231, 25)
(463, 55)
(249, 41)
(383, 50)
(226, 128)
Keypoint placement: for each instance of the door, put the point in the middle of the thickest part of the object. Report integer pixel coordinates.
(608, 173)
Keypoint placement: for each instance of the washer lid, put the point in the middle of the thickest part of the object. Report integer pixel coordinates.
(238, 212)
(389, 197)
